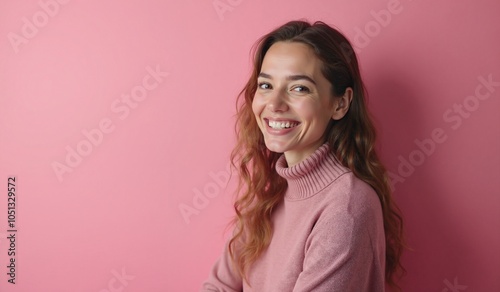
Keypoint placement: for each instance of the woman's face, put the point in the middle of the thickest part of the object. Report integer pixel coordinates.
(293, 103)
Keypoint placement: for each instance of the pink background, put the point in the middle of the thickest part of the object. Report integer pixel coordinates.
(66, 65)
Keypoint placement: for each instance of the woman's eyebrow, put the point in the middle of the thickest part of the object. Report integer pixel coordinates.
(291, 77)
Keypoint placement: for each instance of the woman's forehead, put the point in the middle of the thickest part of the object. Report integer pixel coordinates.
(292, 57)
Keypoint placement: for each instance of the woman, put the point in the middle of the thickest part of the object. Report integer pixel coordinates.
(314, 210)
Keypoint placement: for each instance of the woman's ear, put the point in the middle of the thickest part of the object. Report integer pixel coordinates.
(342, 104)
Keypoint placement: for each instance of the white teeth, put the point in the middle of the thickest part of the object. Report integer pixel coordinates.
(281, 125)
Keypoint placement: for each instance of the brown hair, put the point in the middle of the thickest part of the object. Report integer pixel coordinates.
(352, 140)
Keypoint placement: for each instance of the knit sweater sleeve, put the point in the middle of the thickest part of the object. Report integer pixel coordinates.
(223, 277)
(345, 250)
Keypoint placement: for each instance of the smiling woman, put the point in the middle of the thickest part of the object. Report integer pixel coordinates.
(314, 209)
(293, 103)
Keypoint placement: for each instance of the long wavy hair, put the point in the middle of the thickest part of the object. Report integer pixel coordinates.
(351, 139)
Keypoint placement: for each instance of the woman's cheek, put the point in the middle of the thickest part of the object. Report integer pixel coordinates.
(256, 108)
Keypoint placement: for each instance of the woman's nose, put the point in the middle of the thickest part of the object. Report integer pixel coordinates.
(277, 102)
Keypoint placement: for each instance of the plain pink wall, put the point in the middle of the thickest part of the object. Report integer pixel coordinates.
(69, 69)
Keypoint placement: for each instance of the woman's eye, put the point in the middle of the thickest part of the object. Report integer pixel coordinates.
(264, 85)
(300, 88)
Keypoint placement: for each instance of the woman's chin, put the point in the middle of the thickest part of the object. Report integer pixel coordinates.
(276, 147)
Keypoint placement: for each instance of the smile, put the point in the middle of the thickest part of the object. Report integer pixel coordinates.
(278, 125)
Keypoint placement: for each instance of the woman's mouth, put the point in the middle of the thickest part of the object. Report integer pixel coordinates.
(281, 124)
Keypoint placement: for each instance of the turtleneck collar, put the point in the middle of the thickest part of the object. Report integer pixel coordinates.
(311, 175)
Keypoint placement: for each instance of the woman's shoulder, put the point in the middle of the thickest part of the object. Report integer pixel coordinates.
(350, 196)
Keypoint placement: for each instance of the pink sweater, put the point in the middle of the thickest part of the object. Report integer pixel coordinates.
(328, 235)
